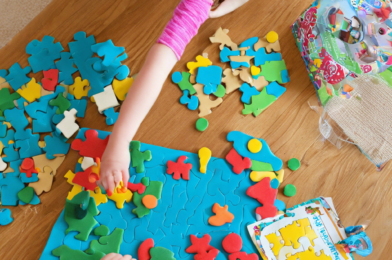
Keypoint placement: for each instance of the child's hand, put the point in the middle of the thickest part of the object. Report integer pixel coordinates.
(113, 256)
(115, 166)
(226, 7)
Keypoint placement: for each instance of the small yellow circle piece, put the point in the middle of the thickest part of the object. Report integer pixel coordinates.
(272, 37)
(254, 146)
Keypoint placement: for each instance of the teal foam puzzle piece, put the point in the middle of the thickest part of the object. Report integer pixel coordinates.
(29, 147)
(226, 53)
(17, 76)
(66, 68)
(248, 92)
(182, 80)
(111, 116)
(55, 145)
(192, 102)
(210, 77)
(5, 217)
(11, 153)
(107, 50)
(10, 186)
(275, 89)
(9, 137)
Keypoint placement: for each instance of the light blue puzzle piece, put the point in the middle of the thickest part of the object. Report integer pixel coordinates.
(261, 57)
(3, 73)
(25, 179)
(10, 186)
(54, 145)
(285, 76)
(192, 102)
(115, 69)
(80, 106)
(17, 76)
(265, 155)
(34, 201)
(250, 44)
(226, 53)
(66, 68)
(9, 137)
(11, 154)
(29, 147)
(42, 123)
(57, 118)
(247, 93)
(111, 116)
(210, 77)
(5, 217)
(15, 165)
(18, 121)
(3, 130)
(280, 205)
(236, 65)
(107, 50)
(275, 89)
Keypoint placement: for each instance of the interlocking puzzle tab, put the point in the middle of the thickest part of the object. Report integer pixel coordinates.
(138, 158)
(179, 169)
(92, 147)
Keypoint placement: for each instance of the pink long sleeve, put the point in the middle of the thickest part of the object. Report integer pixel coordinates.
(184, 25)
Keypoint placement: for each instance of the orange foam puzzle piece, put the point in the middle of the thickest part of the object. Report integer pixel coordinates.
(222, 216)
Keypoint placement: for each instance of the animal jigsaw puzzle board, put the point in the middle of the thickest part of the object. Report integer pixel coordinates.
(183, 210)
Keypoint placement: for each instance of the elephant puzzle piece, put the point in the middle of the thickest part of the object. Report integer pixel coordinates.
(67, 126)
(138, 158)
(205, 102)
(265, 195)
(201, 248)
(92, 147)
(179, 169)
(75, 220)
(222, 215)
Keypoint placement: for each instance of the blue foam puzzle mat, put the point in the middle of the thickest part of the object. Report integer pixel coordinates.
(183, 210)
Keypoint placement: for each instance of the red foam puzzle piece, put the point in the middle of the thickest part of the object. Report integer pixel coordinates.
(201, 247)
(93, 146)
(232, 243)
(143, 252)
(86, 179)
(239, 164)
(179, 169)
(243, 256)
(50, 80)
(28, 167)
(266, 195)
(139, 187)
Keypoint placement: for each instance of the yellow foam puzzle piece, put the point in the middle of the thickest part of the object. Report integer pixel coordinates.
(31, 91)
(121, 198)
(76, 189)
(291, 233)
(70, 176)
(80, 88)
(98, 196)
(121, 87)
(258, 176)
(205, 156)
(80, 160)
(255, 70)
(254, 145)
(280, 175)
(201, 61)
(272, 37)
(276, 242)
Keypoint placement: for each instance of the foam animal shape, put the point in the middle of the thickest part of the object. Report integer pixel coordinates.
(221, 37)
(205, 102)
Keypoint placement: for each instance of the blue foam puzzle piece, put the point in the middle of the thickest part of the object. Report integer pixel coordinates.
(115, 69)
(15, 165)
(111, 116)
(210, 77)
(29, 147)
(11, 154)
(66, 68)
(250, 44)
(5, 217)
(34, 201)
(3, 73)
(236, 65)
(226, 53)
(55, 145)
(192, 102)
(42, 123)
(261, 57)
(265, 155)
(57, 118)
(10, 186)
(275, 89)
(285, 76)
(17, 76)
(248, 92)
(280, 205)
(25, 179)
(44, 53)
(18, 121)
(107, 50)
(177, 77)
(20, 102)
(3, 130)
(96, 79)
(9, 137)
(80, 106)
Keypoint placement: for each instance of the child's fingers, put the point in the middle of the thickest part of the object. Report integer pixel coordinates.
(109, 256)
(117, 176)
(226, 7)
(127, 257)
(125, 177)
(109, 184)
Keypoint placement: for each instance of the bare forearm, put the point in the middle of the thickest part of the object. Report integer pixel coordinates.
(144, 92)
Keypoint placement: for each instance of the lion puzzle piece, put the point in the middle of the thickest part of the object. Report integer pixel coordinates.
(83, 225)
(50, 80)
(222, 215)
(205, 102)
(266, 195)
(154, 189)
(138, 158)
(92, 147)
(179, 169)
(201, 248)
(221, 37)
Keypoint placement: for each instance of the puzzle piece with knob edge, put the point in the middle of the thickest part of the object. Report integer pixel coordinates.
(138, 158)
(50, 80)
(179, 169)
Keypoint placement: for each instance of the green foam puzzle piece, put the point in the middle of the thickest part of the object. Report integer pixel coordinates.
(145, 181)
(271, 71)
(66, 253)
(185, 84)
(261, 166)
(7, 99)
(26, 195)
(101, 231)
(155, 189)
(138, 157)
(220, 92)
(108, 244)
(61, 103)
(161, 253)
(85, 225)
(259, 103)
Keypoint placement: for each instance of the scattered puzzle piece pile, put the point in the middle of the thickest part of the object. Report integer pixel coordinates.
(256, 70)
(37, 118)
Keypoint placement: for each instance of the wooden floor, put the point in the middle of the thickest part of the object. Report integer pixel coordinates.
(361, 194)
